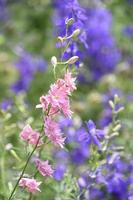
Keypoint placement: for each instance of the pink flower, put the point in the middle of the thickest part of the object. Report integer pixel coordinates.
(44, 168)
(57, 98)
(30, 184)
(69, 81)
(53, 132)
(29, 135)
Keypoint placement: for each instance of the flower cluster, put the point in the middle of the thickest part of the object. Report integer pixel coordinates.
(55, 102)
(81, 139)
(32, 137)
(111, 180)
(52, 104)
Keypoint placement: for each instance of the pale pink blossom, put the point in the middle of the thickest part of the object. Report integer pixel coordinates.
(30, 136)
(57, 98)
(70, 81)
(53, 132)
(44, 168)
(30, 184)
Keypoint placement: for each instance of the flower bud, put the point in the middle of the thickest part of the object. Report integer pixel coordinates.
(111, 104)
(76, 33)
(69, 21)
(117, 128)
(72, 60)
(116, 98)
(61, 39)
(54, 61)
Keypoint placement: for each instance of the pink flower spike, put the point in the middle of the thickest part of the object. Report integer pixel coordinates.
(30, 184)
(44, 168)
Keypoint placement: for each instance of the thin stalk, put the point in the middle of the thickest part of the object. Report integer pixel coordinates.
(3, 174)
(23, 171)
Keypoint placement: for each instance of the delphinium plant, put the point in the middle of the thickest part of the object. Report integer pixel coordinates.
(55, 103)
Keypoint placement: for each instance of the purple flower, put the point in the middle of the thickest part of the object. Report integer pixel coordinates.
(95, 135)
(5, 104)
(3, 10)
(80, 154)
(128, 31)
(117, 186)
(27, 66)
(59, 172)
(102, 51)
(96, 193)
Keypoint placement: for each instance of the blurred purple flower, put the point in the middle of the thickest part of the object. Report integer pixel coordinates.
(5, 104)
(103, 53)
(79, 154)
(27, 66)
(95, 135)
(59, 172)
(128, 31)
(3, 10)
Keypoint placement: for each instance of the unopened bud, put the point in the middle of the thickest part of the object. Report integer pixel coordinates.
(72, 60)
(69, 21)
(111, 104)
(54, 61)
(116, 98)
(61, 39)
(120, 110)
(8, 146)
(76, 33)
(117, 128)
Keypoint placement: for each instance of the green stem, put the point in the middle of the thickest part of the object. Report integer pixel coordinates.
(23, 171)
(30, 197)
(3, 175)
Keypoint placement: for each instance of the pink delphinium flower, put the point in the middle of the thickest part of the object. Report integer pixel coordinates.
(44, 168)
(30, 184)
(25, 133)
(53, 132)
(30, 136)
(58, 96)
(70, 81)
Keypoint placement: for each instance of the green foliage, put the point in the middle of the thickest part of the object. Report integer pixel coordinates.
(66, 189)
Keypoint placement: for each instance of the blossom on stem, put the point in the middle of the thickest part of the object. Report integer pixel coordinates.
(57, 99)
(29, 135)
(44, 168)
(70, 81)
(95, 135)
(53, 132)
(30, 184)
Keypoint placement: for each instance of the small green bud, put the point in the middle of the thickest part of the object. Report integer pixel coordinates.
(113, 135)
(76, 33)
(72, 60)
(69, 21)
(117, 128)
(116, 98)
(111, 104)
(120, 110)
